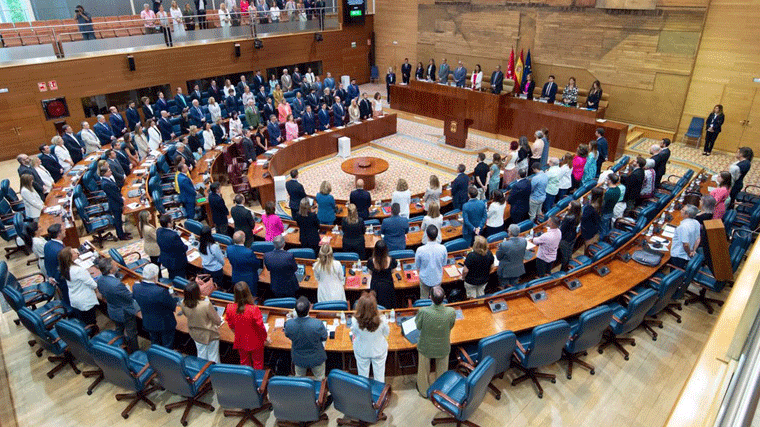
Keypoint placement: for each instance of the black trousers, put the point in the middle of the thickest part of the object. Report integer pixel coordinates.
(118, 224)
(128, 328)
(202, 19)
(710, 138)
(543, 268)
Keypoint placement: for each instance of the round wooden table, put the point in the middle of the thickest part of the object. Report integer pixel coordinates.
(365, 168)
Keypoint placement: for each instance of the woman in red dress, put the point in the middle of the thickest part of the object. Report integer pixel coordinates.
(246, 322)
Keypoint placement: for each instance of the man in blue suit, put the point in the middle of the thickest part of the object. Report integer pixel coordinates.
(180, 100)
(157, 307)
(230, 103)
(330, 82)
(173, 254)
(295, 191)
(519, 198)
(133, 117)
(282, 270)
(459, 187)
(549, 90)
(115, 166)
(473, 215)
(50, 162)
(72, 144)
(362, 199)
(196, 115)
(460, 75)
(312, 99)
(601, 147)
(298, 106)
(186, 192)
(115, 201)
(394, 229)
(118, 126)
(324, 118)
(103, 131)
(273, 129)
(308, 121)
(353, 91)
(245, 265)
(338, 112)
(56, 233)
(161, 103)
(122, 307)
(166, 128)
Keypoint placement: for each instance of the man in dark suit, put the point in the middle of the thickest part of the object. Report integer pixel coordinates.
(243, 219)
(327, 98)
(365, 107)
(245, 265)
(249, 149)
(230, 103)
(406, 71)
(459, 187)
(362, 199)
(122, 307)
(197, 118)
(660, 157)
(73, 146)
(25, 167)
(353, 91)
(338, 112)
(273, 129)
(390, 79)
(511, 256)
(184, 151)
(460, 75)
(116, 169)
(157, 307)
(166, 128)
(297, 79)
(312, 99)
(258, 81)
(180, 100)
(133, 116)
(394, 229)
(341, 94)
(282, 270)
(219, 211)
(298, 106)
(196, 94)
(308, 121)
(186, 191)
(497, 80)
(633, 182)
(121, 157)
(161, 104)
(601, 148)
(103, 131)
(296, 191)
(50, 162)
(220, 136)
(118, 126)
(115, 201)
(519, 198)
(56, 233)
(473, 216)
(173, 254)
(261, 97)
(240, 87)
(324, 118)
(215, 91)
(549, 91)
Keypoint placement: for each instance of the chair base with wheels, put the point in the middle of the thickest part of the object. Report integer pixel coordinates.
(63, 359)
(322, 417)
(141, 396)
(358, 423)
(703, 299)
(649, 324)
(248, 415)
(452, 420)
(190, 402)
(98, 374)
(609, 339)
(573, 358)
(533, 375)
(669, 310)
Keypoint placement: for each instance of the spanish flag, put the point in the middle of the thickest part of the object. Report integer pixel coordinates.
(519, 73)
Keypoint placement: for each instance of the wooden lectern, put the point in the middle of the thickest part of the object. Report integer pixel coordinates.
(455, 131)
(717, 244)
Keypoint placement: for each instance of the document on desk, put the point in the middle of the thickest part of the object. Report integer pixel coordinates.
(668, 231)
(530, 246)
(409, 328)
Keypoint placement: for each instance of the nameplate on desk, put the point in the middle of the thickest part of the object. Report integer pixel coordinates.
(602, 270)
(572, 284)
(497, 305)
(624, 256)
(537, 296)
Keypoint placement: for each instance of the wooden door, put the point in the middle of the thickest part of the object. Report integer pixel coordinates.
(751, 134)
(737, 103)
(21, 128)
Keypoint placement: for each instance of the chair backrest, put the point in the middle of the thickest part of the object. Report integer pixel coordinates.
(667, 288)
(526, 225)
(401, 254)
(294, 399)
(591, 326)
(372, 222)
(169, 367)
(76, 339)
(352, 395)
(287, 302)
(621, 239)
(331, 305)
(564, 202)
(222, 239)
(193, 226)
(34, 324)
(637, 309)
(114, 362)
(499, 347)
(116, 256)
(180, 283)
(690, 271)
(262, 247)
(476, 386)
(235, 386)
(456, 245)
(20, 226)
(501, 235)
(547, 343)
(346, 256)
(303, 253)
(695, 127)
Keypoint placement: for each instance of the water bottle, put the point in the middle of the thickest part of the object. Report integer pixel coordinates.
(393, 316)
(342, 317)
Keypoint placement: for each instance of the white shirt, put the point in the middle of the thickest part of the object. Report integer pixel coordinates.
(38, 248)
(226, 92)
(565, 177)
(512, 160)
(142, 144)
(370, 344)
(378, 104)
(209, 142)
(47, 179)
(91, 141)
(63, 157)
(248, 96)
(477, 79)
(495, 214)
(33, 203)
(81, 289)
(216, 111)
(224, 21)
(437, 221)
(309, 77)
(330, 283)
(154, 138)
(236, 128)
(403, 198)
(275, 11)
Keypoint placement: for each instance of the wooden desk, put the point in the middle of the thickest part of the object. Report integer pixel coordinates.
(365, 168)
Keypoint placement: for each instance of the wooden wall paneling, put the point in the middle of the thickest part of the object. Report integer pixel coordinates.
(395, 21)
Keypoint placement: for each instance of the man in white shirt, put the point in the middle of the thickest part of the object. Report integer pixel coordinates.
(287, 81)
(429, 261)
(685, 238)
(91, 141)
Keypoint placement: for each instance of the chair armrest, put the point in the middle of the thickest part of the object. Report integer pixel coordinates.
(383, 399)
(34, 275)
(32, 291)
(519, 345)
(676, 268)
(615, 318)
(265, 382)
(142, 371)
(114, 339)
(139, 256)
(322, 393)
(468, 367)
(203, 369)
(699, 273)
(51, 310)
(655, 279)
(53, 316)
(466, 356)
(446, 398)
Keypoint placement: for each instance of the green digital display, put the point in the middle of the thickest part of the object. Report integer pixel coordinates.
(356, 13)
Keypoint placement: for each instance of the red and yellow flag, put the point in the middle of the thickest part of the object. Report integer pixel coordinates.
(519, 73)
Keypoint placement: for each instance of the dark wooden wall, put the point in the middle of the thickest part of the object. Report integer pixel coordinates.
(23, 126)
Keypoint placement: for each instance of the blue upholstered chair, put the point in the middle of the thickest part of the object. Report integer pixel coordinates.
(425, 302)
(459, 395)
(298, 401)
(186, 376)
(303, 253)
(79, 344)
(222, 239)
(38, 293)
(541, 347)
(346, 256)
(262, 247)
(626, 319)
(360, 399)
(585, 332)
(692, 267)
(401, 254)
(48, 340)
(193, 226)
(456, 245)
(243, 387)
(131, 372)
(498, 346)
(331, 305)
(497, 237)
(665, 289)
(135, 266)
(286, 302)
(526, 225)
(695, 130)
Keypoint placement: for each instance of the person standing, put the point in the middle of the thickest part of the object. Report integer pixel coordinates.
(433, 218)
(429, 261)
(84, 22)
(82, 288)
(538, 184)
(296, 192)
(370, 332)
(122, 307)
(157, 307)
(362, 199)
(308, 226)
(33, 203)
(353, 232)
(460, 75)
(477, 268)
(272, 222)
(282, 270)
(474, 216)
(394, 229)
(519, 198)
(602, 150)
(714, 123)
(611, 197)
(243, 218)
(547, 247)
(403, 197)
(406, 71)
(430, 71)
(115, 201)
(212, 258)
(686, 238)
(325, 204)
(186, 192)
(202, 322)
(511, 256)
(247, 323)
(568, 229)
(739, 170)
(150, 242)
(720, 194)
(200, 7)
(245, 265)
(306, 335)
(173, 249)
(219, 211)
(381, 265)
(497, 81)
(459, 187)
(330, 276)
(434, 323)
(443, 72)
(390, 79)
(552, 183)
(549, 91)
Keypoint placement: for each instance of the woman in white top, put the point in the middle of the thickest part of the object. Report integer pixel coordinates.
(565, 176)
(370, 335)
(154, 135)
(82, 296)
(227, 86)
(38, 247)
(247, 95)
(214, 109)
(209, 142)
(178, 24)
(477, 77)
(510, 165)
(433, 193)
(274, 12)
(433, 217)
(309, 77)
(403, 197)
(33, 203)
(225, 21)
(47, 179)
(495, 214)
(141, 141)
(236, 127)
(163, 17)
(290, 7)
(377, 106)
(60, 151)
(330, 276)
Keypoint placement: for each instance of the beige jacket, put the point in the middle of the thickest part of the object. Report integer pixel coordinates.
(149, 241)
(202, 321)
